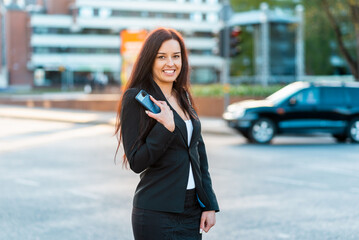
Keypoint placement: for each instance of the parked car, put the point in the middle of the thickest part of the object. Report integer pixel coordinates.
(299, 108)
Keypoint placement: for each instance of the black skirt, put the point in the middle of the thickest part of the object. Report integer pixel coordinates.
(156, 225)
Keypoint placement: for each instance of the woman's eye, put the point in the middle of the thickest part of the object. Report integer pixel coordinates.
(161, 57)
(177, 56)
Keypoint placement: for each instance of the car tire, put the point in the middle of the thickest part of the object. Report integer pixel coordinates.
(340, 137)
(353, 131)
(262, 131)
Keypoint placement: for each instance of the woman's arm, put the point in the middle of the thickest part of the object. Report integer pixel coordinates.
(208, 218)
(206, 178)
(156, 143)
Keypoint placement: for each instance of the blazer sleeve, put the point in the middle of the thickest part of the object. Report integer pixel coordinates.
(206, 178)
(143, 155)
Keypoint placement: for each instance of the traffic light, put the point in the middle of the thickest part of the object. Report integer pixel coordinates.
(233, 39)
(234, 42)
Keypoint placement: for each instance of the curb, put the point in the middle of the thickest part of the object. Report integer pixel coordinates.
(212, 126)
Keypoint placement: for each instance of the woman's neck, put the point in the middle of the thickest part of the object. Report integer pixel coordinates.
(166, 89)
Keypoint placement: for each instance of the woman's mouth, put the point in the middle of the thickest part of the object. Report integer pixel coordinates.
(169, 72)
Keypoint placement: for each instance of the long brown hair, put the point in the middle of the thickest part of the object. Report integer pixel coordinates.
(141, 78)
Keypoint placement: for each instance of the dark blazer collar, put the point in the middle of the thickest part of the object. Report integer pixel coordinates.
(180, 124)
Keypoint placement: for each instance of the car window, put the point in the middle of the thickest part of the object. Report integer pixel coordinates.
(354, 96)
(285, 92)
(333, 96)
(306, 97)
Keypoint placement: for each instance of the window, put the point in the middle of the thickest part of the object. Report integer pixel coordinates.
(203, 75)
(333, 96)
(86, 12)
(104, 13)
(212, 17)
(306, 97)
(197, 16)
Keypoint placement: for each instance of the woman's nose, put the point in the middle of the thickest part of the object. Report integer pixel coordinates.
(170, 62)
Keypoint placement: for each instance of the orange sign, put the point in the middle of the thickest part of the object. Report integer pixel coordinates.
(131, 41)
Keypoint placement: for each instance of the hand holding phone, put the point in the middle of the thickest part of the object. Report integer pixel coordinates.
(144, 99)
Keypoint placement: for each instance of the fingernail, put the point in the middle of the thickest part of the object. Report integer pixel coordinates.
(146, 112)
(200, 231)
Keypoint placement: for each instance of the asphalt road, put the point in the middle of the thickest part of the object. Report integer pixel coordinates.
(59, 181)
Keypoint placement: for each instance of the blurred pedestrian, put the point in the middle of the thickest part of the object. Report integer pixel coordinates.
(174, 198)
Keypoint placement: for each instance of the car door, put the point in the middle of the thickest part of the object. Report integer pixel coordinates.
(299, 113)
(334, 109)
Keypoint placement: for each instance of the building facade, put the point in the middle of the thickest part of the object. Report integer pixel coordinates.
(70, 42)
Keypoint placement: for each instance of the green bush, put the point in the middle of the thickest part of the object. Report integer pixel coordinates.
(217, 90)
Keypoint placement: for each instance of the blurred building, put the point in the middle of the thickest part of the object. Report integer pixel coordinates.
(70, 42)
(278, 44)
(3, 76)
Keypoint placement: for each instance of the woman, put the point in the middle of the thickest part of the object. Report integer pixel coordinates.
(174, 198)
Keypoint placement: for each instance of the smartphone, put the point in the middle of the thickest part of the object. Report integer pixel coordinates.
(144, 98)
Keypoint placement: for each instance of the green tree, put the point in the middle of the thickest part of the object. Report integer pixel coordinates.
(318, 39)
(247, 5)
(343, 16)
(339, 21)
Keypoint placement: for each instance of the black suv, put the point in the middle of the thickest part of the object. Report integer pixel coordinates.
(299, 108)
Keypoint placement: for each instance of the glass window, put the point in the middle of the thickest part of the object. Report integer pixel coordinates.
(212, 17)
(197, 16)
(203, 75)
(306, 97)
(86, 12)
(104, 13)
(333, 96)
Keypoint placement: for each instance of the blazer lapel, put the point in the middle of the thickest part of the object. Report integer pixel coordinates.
(196, 131)
(180, 124)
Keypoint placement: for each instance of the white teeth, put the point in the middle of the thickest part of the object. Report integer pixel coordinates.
(169, 71)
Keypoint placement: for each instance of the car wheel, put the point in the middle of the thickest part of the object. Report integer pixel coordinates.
(340, 137)
(262, 131)
(354, 130)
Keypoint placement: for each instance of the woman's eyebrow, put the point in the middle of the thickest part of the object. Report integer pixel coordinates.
(165, 53)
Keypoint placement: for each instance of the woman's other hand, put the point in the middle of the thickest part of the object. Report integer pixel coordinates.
(208, 220)
(165, 117)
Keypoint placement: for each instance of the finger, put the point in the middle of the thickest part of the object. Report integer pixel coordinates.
(151, 114)
(158, 103)
(208, 227)
(201, 226)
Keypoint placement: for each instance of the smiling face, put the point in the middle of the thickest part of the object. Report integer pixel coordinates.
(168, 63)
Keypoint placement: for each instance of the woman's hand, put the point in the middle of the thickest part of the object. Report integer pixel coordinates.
(208, 220)
(165, 117)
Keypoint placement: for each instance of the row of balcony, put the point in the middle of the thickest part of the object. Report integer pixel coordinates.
(119, 23)
(100, 41)
(104, 62)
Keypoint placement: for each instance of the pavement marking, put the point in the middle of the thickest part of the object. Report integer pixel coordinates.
(298, 183)
(283, 236)
(29, 113)
(27, 182)
(84, 194)
(28, 127)
(20, 145)
(336, 170)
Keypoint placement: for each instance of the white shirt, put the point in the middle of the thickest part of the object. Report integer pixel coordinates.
(189, 126)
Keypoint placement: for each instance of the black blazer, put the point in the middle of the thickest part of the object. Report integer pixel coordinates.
(163, 159)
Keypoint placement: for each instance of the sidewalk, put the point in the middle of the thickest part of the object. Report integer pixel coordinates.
(209, 125)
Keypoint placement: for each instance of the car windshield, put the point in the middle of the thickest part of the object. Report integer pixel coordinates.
(285, 92)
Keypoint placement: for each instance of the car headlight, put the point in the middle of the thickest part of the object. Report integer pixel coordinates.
(234, 112)
(239, 113)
